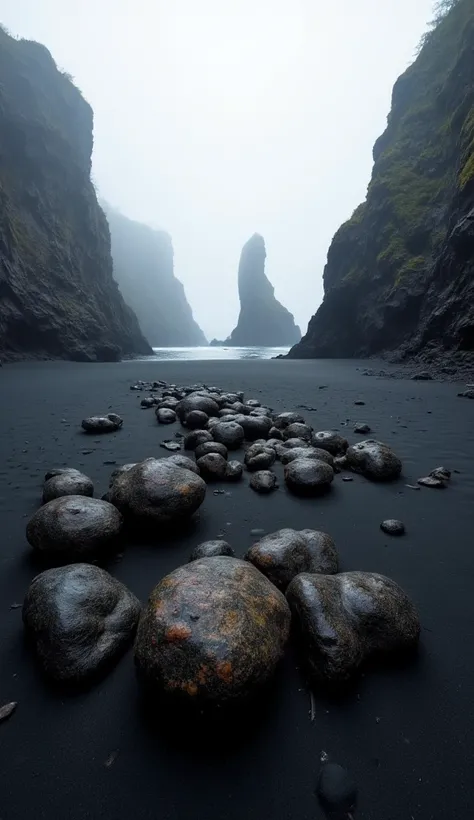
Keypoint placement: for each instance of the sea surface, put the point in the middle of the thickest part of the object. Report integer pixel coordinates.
(214, 353)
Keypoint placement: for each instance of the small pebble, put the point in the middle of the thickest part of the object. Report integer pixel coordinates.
(393, 527)
(336, 791)
(7, 710)
(347, 478)
(359, 402)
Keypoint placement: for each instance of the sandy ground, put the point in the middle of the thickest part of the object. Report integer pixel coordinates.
(405, 734)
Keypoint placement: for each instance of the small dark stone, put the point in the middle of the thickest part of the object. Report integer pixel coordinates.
(147, 402)
(210, 447)
(197, 401)
(441, 473)
(169, 444)
(67, 482)
(259, 457)
(308, 476)
(209, 549)
(393, 527)
(213, 467)
(263, 481)
(196, 437)
(253, 403)
(229, 433)
(74, 526)
(8, 708)
(359, 402)
(167, 404)
(213, 630)
(234, 471)
(298, 430)
(102, 424)
(364, 429)
(165, 415)
(80, 620)
(424, 376)
(196, 420)
(283, 420)
(431, 481)
(347, 478)
(331, 441)
(374, 460)
(254, 427)
(337, 791)
(275, 433)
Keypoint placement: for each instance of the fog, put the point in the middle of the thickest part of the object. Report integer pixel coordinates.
(216, 119)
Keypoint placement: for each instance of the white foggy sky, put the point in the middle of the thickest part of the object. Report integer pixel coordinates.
(216, 119)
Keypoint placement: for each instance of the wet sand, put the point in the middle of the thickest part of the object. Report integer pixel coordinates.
(404, 733)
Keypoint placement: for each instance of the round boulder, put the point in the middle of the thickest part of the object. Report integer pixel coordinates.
(306, 476)
(196, 401)
(374, 460)
(213, 630)
(228, 433)
(165, 415)
(393, 527)
(282, 555)
(213, 467)
(283, 420)
(67, 482)
(263, 481)
(259, 457)
(158, 491)
(102, 424)
(254, 427)
(210, 549)
(195, 438)
(275, 434)
(182, 461)
(74, 526)
(345, 618)
(211, 447)
(331, 441)
(167, 404)
(234, 471)
(79, 619)
(290, 454)
(298, 430)
(196, 420)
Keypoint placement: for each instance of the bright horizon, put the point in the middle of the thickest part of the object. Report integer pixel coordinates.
(239, 118)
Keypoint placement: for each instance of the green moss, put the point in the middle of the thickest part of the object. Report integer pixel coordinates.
(415, 265)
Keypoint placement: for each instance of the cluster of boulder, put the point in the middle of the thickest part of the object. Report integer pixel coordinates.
(215, 629)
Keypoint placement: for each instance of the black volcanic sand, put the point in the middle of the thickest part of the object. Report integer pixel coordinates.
(404, 734)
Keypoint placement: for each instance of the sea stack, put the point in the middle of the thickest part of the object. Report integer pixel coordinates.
(263, 321)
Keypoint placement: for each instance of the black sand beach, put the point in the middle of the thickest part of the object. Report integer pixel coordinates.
(405, 734)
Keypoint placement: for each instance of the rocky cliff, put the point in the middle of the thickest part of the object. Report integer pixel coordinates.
(143, 267)
(57, 294)
(263, 321)
(400, 272)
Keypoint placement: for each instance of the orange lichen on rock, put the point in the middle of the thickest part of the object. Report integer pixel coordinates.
(224, 671)
(177, 632)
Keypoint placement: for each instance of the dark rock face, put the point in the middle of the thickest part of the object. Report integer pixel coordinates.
(263, 321)
(157, 491)
(58, 297)
(343, 619)
(80, 620)
(67, 482)
(374, 459)
(399, 274)
(144, 269)
(284, 554)
(213, 630)
(211, 549)
(74, 526)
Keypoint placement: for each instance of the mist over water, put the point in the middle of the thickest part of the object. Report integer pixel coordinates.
(187, 354)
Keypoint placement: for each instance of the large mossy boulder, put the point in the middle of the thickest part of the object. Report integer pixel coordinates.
(213, 630)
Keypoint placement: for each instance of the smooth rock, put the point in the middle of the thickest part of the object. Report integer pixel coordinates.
(147, 402)
(393, 527)
(196, 401)
(158, 491)
(102, 424)
(263, 481)
(283, 420)
(259, 457)
(298, 430)
(314, 453)
(167, 404)
(364, 429)
(213, 630)
(67, 482)
(228, 433)
(182, 461)
(213, 467)
(345, 618)
(195, 438)
(307, 476)
(337, 792)
(331, 441)
(275, 434)
(374, 460)
(171, 445)
(80, 620)
(210, 549)
(119, 470)
(196, 420)
(210, 447)
(234, 471)
(284, 554)
(74, 526)
(254, 427)
(165, 415)
(434, 483)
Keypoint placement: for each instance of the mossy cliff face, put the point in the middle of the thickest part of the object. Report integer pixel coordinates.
(263, 320)
(144, 269)
(400, 272)
(58, 297)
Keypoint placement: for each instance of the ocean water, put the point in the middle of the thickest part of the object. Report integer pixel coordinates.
(213, 353)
